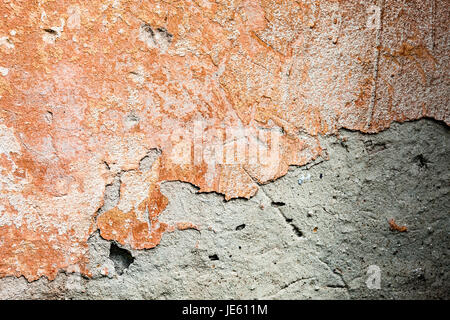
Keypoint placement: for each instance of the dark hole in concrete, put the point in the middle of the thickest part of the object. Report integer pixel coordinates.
(147, 28)
(345, 146)
(213, 257)
(421, 161)
(297, 231)
(321, 176)
(50, 31)
(122, 258)
(240, 227)
(133, 117)
(278, 204)
(164, 32)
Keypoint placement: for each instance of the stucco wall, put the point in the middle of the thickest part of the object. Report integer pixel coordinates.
(234, 149)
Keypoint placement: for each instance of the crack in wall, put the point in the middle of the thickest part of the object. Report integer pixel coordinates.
(373, 96)
(277, 205)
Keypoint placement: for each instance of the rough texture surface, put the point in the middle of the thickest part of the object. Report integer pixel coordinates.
(314, 240)
(103, 102)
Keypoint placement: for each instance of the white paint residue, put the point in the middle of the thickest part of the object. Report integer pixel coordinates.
(4, 41)
(4, 71)
(8, 142)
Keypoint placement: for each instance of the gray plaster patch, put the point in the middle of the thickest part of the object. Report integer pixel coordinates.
(314, 240)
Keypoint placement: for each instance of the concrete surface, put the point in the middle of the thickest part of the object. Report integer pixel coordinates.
(320, 232)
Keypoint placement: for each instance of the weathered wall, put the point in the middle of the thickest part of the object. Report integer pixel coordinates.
(102, 103)
(315, 240)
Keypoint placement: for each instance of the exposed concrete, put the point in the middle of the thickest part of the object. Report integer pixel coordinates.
(101, 102)
(313, 233)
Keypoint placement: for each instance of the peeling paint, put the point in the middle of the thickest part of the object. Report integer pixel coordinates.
(140, 75)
